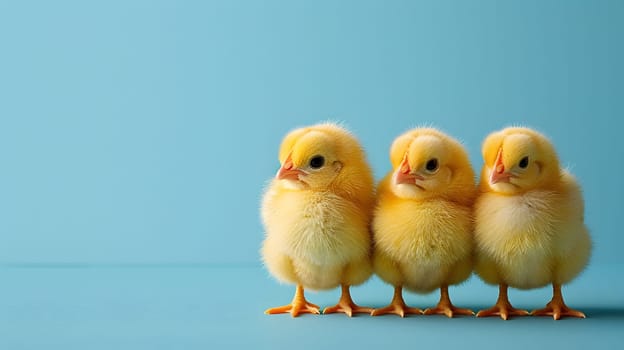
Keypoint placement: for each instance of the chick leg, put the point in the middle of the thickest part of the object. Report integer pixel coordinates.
(445, 307)
(397, 306)
(556, 307)
(346, 304)
(299, 305)
(502, 307)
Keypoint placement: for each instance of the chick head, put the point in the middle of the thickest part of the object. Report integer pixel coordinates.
(428, 163)
(518, 160)
(323, 157)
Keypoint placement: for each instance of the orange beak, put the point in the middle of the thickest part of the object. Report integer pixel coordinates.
(288, 171)
(498, 173)
(404, 175)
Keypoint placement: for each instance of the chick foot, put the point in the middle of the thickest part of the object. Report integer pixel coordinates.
(557, 308)
(445, 307)
(502, 307)
(346, 305)
(504, 310)
(397, 306)
(299, 305)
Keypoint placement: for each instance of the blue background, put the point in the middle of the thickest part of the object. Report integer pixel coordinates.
(136, 138)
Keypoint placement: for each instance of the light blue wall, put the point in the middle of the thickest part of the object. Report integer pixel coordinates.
(144, 131)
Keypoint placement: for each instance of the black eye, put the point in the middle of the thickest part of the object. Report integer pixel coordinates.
(524, 162)
(317, 162)
(432, 165)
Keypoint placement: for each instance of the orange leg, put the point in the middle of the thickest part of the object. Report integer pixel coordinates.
(299, 305)
(445, 307)
(346, 305)
(502, 307)
(556, 307)
(397, 306)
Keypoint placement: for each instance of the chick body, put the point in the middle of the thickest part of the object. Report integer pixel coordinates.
(313, 239)
(427, 243)
(531, 240)
(317, 213)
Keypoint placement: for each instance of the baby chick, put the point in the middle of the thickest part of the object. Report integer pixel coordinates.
(316, 213)
(529, 221)
(423, 222)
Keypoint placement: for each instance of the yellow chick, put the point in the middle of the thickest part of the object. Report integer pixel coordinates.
(423, 221)
(529, 221)
(316, 214)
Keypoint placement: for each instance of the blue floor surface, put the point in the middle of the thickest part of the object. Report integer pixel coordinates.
(211, 307)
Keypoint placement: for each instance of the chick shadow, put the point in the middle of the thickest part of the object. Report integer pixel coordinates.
(423, 307)
(602, 313)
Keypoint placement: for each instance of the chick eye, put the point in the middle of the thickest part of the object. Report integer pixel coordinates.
(524, 162)
(432, 165)
(317, 162)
